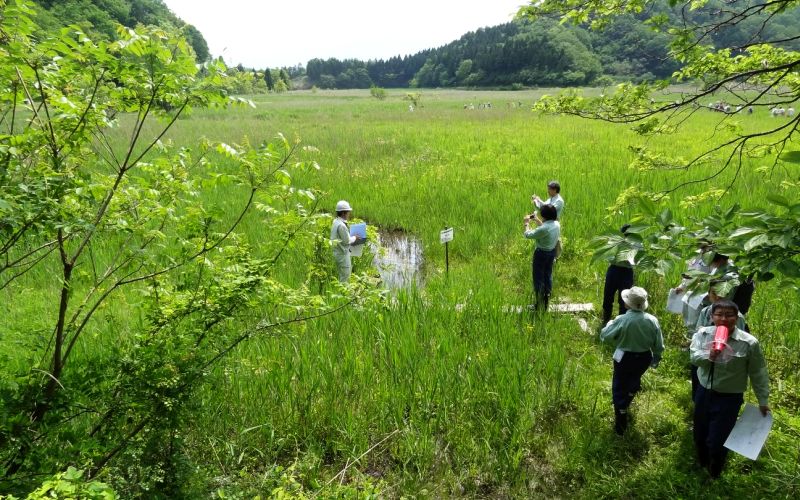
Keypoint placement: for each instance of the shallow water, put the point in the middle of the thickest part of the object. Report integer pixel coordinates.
(400, 264)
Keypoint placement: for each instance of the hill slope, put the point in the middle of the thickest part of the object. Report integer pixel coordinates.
(101, 16)
(544, 53)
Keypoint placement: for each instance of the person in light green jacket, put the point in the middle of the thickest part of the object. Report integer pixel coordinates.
(639, 344)
(341, 240)
(554, 198)
(723, 376)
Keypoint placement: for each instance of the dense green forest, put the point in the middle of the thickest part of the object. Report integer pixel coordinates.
(522, 53)
(102, 17)
(544, 53)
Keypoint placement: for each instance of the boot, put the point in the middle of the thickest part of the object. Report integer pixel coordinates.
(620, 421)
(702, 457)
(542, 301)
(715, 465)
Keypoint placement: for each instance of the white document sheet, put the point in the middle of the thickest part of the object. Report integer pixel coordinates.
(750, 432)
(675, 302)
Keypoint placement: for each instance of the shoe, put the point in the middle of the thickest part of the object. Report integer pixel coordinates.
(715, 468)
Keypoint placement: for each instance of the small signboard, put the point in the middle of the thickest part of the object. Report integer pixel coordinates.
(446, 235)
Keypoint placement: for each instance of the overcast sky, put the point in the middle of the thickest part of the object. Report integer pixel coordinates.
(269, 33)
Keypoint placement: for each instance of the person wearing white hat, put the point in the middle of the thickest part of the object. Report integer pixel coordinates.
(341, 240)
(639, 344)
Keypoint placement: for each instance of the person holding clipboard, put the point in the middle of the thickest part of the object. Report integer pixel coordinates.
(341, 240)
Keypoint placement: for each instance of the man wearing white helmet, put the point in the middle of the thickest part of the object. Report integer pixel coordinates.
(341, 240)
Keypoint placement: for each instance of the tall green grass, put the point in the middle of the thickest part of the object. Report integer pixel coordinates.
(427, 399)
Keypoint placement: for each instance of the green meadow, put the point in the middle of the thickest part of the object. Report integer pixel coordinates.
(444, 391)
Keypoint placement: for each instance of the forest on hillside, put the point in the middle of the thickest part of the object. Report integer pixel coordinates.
(518, 54)
(546, 53)
(102, 16)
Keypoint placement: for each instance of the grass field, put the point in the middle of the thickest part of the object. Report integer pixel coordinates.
(426, 399)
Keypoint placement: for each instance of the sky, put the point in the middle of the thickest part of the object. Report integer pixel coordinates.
(270, 33)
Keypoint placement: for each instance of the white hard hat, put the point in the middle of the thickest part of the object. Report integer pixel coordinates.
(343, 206)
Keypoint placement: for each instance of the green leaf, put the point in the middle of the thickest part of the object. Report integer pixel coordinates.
(778, 199)
(73, 474)
(663, 267)
(637, 228)
(742, 231)
(789, 268)
(790, 157)
(647, 206)
(755, 241)
(767, 276)
(665, 217)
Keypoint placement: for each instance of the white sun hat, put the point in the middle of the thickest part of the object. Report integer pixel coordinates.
(635, 298)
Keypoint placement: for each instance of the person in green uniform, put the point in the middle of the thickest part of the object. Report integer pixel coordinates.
(546, 236)
(639, 344)
(554, 198)
(704, 320)
(341, 240)
(723, 381)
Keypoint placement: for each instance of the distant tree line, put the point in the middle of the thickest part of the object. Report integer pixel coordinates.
(518, 54)
(544, 53)
(102, 16)
(244, 80)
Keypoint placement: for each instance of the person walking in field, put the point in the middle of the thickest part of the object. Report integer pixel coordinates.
(619, 277)
(555, 199)
(341, 240)
(639, 344)
(723, 376)
(546, 236)
(705, 320)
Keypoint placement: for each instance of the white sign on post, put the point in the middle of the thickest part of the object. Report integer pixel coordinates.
(446, 235)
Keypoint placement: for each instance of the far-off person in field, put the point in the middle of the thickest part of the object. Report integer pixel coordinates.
(554, 198)
(341, 240)
(639, 344)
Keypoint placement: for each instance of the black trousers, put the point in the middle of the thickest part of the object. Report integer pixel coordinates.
(542, 267)
(715, 415)
(618, 278)
(627, 379)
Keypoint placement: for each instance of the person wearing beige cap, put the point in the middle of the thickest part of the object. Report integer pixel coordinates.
(341, 240)
(639, 344)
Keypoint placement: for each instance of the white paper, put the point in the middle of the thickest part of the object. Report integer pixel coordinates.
(693, 303)
(618, 355)
(693, 300)
(750, 432)
(356, 250)
(675, 302)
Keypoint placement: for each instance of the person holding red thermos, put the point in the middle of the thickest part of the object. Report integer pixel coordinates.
(723, 370)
